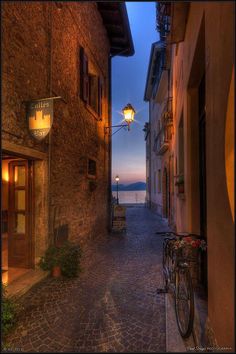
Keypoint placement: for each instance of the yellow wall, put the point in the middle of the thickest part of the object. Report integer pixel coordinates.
(218, 19)
(229, 145)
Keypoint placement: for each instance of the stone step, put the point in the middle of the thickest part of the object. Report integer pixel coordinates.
(22, 284)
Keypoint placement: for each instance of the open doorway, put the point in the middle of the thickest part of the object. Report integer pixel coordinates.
(17, 217)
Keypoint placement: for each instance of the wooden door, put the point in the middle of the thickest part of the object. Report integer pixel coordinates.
(19, 254)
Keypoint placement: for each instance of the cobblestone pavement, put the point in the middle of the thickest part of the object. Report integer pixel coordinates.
(111, 307)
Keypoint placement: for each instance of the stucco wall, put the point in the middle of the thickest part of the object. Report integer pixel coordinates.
(218, 19)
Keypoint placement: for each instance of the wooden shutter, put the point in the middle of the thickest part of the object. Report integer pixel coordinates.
(84, 80)
(100, 96)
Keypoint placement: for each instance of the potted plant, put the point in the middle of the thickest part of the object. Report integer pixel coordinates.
(52, 261)
(180, 184)
(64, 260)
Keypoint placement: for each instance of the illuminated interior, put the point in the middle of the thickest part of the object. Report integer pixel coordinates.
(9, 274)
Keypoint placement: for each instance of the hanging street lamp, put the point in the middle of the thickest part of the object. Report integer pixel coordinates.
(128, 112)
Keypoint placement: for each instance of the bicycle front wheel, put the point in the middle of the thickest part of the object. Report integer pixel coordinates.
(184, 301)
(166, 264)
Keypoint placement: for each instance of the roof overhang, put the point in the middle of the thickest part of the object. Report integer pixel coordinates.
(179, 18)
(116, 22)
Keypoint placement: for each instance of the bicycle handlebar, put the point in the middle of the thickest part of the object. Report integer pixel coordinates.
(180, 235)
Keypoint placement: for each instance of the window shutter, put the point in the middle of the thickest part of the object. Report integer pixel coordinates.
(84, 80)
(100, 96)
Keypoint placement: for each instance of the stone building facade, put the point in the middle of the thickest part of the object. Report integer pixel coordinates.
(200, 36)
(159, 95)
(57, 49)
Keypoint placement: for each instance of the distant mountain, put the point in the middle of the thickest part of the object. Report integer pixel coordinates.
(120, 187)
(138, 186)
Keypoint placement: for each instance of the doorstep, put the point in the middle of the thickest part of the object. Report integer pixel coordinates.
(22, 284)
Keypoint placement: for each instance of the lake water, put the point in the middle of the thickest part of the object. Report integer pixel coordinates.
(126, 197)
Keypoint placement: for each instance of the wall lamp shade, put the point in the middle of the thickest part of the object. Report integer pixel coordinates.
(128, 112)
(117, 178)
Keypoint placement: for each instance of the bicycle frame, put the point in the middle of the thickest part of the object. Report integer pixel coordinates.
(177, 260)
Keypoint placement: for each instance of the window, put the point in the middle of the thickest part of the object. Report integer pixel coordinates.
(159, 181)
(84, 80)
(92, 168)
(91, 85)
(93, 92)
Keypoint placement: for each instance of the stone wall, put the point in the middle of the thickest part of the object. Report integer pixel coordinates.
(41, 42)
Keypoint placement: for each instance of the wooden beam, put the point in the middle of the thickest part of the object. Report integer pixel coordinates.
(23, 151)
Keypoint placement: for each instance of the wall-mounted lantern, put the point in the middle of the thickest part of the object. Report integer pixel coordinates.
(128, 112)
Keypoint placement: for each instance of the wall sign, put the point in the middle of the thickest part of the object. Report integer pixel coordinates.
(40, 117)
(118, 218)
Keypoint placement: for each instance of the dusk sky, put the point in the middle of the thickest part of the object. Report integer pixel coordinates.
(128, 85)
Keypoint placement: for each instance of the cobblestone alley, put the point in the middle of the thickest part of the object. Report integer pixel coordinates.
(111, 307)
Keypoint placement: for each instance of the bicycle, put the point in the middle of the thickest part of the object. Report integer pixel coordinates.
(177, 277)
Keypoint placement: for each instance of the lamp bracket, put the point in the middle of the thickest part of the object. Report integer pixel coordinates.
(120, 126)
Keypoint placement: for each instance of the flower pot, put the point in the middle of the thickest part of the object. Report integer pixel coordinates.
(56, 271)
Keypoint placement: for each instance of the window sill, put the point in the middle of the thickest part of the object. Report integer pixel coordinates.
(91, 176)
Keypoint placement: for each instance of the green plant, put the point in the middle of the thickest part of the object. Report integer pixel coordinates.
(9, 311)
(51, 258)
(67, 257)
(70, 261)
(180, 180)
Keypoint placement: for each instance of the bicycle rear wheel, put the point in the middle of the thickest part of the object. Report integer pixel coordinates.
(184, 301)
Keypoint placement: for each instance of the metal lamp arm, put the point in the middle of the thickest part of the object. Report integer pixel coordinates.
(120, 126)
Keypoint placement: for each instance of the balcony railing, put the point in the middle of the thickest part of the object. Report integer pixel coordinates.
(163, 13)
(162, 140)
(167, 112)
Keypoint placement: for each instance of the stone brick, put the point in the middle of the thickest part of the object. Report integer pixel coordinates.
(42, 60)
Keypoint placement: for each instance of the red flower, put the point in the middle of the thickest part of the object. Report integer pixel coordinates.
(198, 242)
(188, 239)
(194, 244)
